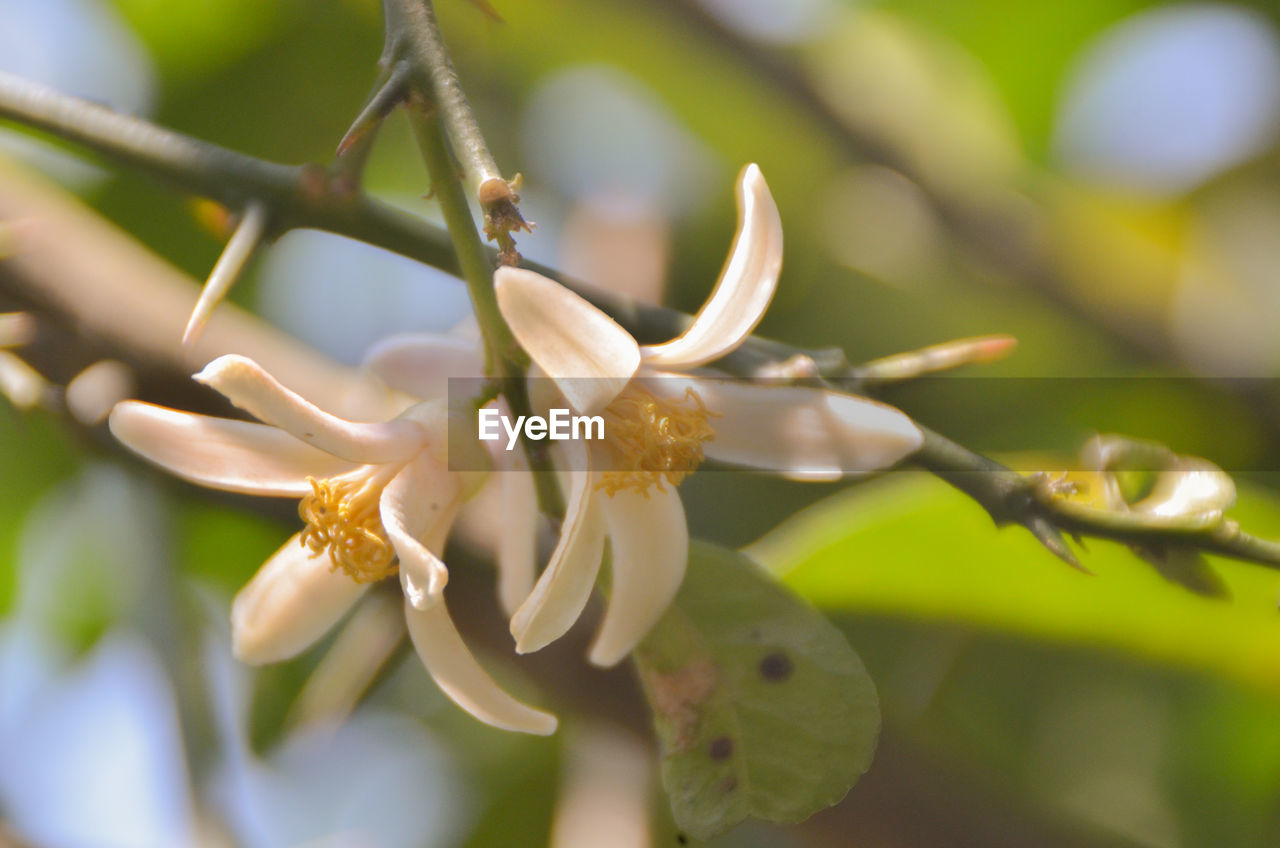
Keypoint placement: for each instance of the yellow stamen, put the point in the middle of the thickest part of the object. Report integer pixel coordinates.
(654, 440)
(342, 517)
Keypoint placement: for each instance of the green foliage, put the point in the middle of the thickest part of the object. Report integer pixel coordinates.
(195, 37)
(908, 545)
(761, 706)
(41, 461)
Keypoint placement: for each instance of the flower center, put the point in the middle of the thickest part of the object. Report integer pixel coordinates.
(342, 517)
(654, 440)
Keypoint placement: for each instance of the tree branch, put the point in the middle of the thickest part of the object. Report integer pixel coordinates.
(302, 196)
(414, 39)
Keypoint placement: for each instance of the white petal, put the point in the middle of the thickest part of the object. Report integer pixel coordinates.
(420, 364)
(649, 542)
(518, 538)
(1195, 487)
(588, 355)
(290, 603)
(458, 674)
(565, 585)
(745, 287)
(238, 456)
(417, 509)
(801, 432)
(251, 388)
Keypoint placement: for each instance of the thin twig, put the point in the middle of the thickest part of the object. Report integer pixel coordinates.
(504, 360)
(413, 37)
(298, 196)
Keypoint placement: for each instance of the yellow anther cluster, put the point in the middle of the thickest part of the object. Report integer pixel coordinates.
(342, 517)
(654, 440)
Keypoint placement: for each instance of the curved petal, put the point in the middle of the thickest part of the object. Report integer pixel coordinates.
(588, 355)
(649, 541)
(565, 585)
(417, 509)
(460, 677)
(745, 287)
(251, 388)
(420, 364)
(237, 456)
(518, 539)
(798, 431)
(290, 603)
(1194, 487)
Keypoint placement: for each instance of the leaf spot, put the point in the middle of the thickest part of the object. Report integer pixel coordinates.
(721, 748)
(729, 784)
(680, 697)
(776, 667)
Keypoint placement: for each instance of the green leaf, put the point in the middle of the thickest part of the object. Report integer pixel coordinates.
(910, 546)
(762, 708)
(198, 36)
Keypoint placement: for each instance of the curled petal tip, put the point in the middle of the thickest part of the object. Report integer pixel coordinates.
(601, 658)
(248, 385)
(745, 287)
(463, 679)
(421, 596)
(217, 369)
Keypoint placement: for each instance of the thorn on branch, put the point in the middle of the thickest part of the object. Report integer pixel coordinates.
(244, 242)
(382, 103)
(935, 358)
(1051, 537)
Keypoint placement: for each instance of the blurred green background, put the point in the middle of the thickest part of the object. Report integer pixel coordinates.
(1097, 178)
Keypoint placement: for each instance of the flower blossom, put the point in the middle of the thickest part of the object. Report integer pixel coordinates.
(378, 499)
(661, 419)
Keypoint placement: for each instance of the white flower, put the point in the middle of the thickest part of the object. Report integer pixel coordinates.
(377, 497)
(658, 428)
(501, 518)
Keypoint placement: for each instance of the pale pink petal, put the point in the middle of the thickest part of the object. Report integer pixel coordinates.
(649, 545)
(420, 364)
(565, 585)
(291, 602)
(802, 432)
(518, 538)
(251, 388)
(745, 287)
(588, 355)
(460, 677)
(238, 456)
(417, 508)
